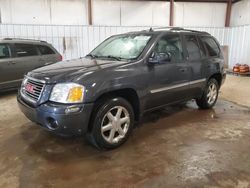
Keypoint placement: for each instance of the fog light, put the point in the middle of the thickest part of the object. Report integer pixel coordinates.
(52, 123)
(72, 109)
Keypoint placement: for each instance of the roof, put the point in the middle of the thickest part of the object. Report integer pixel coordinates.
(22, 40)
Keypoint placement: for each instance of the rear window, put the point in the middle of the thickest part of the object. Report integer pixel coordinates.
(4, 51)
(24, 50)
(45, 50)
(211, 46)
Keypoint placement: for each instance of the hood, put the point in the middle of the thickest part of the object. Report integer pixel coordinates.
(69, 70)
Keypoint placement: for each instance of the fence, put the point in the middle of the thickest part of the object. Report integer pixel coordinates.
(74, 41)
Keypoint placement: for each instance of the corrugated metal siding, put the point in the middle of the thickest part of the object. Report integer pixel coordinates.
(76, 41)
(236, 38)
(71, 41)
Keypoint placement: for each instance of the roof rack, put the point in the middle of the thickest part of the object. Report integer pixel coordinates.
(164, 28)
(176, 29)
(23, 39)
(190, 30)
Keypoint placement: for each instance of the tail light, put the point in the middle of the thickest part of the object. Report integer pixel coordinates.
(60, 58)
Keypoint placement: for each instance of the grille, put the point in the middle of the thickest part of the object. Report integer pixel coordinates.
(32, 89)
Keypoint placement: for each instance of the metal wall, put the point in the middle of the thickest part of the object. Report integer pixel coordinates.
(111, 12)
(236, 38)
(240, 13)
(76, 41)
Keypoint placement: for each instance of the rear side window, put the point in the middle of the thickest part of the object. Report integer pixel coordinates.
(211, 46)
(4, 51)
(24, 50)
(45, 50)
(193, 49)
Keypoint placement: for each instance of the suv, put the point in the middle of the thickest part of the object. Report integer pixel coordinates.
(103, 94)
(18, 56)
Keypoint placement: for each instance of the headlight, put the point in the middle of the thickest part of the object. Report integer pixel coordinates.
(67, 93)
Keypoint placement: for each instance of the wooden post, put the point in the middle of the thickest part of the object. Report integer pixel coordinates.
(90, 12)
(228, 15)
(171, 16)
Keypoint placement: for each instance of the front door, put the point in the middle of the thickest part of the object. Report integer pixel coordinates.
(169, 80)
(7, 67)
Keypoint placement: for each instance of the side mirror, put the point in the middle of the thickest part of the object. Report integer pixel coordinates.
(158, 58)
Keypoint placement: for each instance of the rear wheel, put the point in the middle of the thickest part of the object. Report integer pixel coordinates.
(210, 95)
(112, 123)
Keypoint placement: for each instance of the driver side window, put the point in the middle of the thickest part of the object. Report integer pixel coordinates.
(170, 44)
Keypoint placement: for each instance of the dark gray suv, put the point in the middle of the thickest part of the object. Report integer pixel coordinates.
(19, 56)
(103, 94)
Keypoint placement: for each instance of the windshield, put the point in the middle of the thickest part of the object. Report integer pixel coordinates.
(121, 47)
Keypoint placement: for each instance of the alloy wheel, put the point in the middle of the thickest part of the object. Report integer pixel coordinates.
(212, 93)
(115, 124)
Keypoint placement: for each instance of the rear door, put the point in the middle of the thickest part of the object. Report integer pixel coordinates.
(215, 60)
(48, 55)
(26, 59)
(196, 59)
(169, 81)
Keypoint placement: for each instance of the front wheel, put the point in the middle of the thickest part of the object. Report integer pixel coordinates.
(112, 124)
(210, 95)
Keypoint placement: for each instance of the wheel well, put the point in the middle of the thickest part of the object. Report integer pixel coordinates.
(217, 77)
(129, 94)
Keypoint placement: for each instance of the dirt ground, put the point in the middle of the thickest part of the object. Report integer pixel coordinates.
(180, 146)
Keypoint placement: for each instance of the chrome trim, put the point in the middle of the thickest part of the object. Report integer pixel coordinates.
(26, 97)
(168, 88)
(197, 81)
(177, 86)
(30, 78)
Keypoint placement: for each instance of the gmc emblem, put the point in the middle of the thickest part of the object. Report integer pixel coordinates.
(29, 88)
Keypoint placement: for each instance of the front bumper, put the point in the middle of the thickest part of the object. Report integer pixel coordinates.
(53, 117)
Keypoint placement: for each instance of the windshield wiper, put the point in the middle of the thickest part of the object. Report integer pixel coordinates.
(92, 56)
(111, 57)
(108, 56)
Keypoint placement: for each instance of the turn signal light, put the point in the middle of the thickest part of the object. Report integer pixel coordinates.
(75, 94)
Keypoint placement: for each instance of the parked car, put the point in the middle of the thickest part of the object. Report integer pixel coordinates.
(102, 95)
(19, 56)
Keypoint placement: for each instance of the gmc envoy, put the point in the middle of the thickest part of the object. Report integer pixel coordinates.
(101, 95)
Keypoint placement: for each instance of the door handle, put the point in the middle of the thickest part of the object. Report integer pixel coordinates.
(12, 62)
(182, 69)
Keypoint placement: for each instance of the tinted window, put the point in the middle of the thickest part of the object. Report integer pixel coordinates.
(170, 44)
(23, 50)
(4, 51)
(211, 45)
(202, 48)
(193, 49)
(45, 50)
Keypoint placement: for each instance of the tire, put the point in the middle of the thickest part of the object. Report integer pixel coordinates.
(210, 95)
(112, 123)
